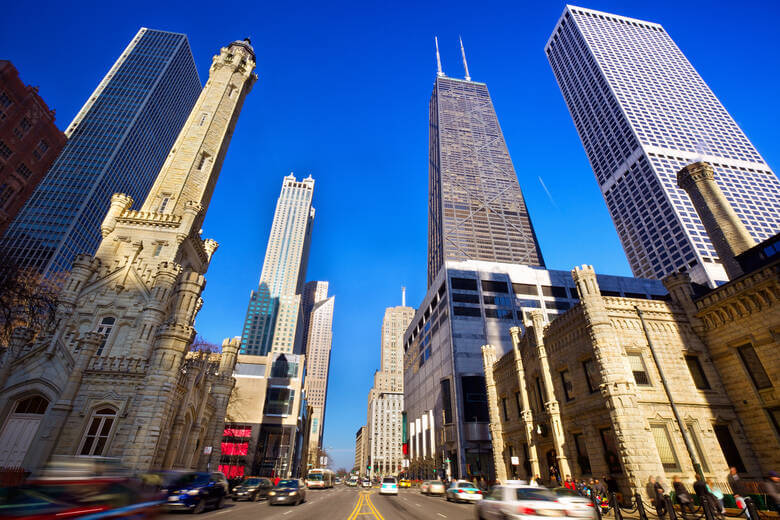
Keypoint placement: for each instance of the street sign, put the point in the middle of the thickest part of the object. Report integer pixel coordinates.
(515, 461)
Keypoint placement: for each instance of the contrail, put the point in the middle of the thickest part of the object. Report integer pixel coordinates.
(548, 193)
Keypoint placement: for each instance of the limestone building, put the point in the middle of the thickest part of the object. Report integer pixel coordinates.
(114, 376)
(360, 458)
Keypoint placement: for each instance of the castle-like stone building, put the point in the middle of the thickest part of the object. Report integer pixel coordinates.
(114, 376)
(632, 388)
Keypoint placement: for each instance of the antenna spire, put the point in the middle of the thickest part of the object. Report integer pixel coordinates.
(438, 58)
(463, 53)
(403, 296)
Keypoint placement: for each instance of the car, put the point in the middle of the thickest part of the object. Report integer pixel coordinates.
(578, 506)
(252, 488)
(518, 501)
(404, 483)
(432, 487)
(463, 491)
(353, 481)
(288, 491)
(195, 491)
(366, 483)
(337, 480)
(389, 486)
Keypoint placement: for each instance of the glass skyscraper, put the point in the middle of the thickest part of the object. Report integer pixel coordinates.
(272, 318)
(476, 209)
(642, 113)
(116, 144)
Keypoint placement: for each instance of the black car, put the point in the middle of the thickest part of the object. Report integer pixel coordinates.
(197, 491)
(289, 491)
(253, 488)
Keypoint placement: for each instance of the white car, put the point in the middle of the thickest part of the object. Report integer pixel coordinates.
(463, 491)
(578, 506)
(520, 502)
(366, 483)
(389, 486)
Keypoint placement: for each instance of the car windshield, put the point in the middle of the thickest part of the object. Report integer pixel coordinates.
(251, 482)
(388, 480)
(466, 485)
(287, 483)
(191, 479)
(535, 494)
(563, 492)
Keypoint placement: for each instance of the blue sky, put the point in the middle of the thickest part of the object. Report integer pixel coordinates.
(343, 95)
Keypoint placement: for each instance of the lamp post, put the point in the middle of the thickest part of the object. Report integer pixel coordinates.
(683, 430)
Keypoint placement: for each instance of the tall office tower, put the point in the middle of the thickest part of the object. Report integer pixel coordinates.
(476, 209)
(117, 143)
(394, 326)
(317, 309)
(272, 316)
(29, 142)
(642, 113)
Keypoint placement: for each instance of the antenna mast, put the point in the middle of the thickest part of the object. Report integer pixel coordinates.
(463, 53)
(438, 58)
(403, 296)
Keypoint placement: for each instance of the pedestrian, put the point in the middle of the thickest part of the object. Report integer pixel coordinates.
(704, 494)
(660, 500)
(717, 493)
(682, 495)
(569, 483)
(771, 486)
(534, 481)
(735, 482)
(650, 489)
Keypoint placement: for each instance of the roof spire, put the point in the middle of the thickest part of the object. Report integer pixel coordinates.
(463, 53)
(438, 58)
(403, 296)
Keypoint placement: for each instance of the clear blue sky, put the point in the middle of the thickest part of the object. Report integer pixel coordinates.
(343, 95)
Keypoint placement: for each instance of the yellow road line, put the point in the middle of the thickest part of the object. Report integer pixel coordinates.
(357, 508)
(376, 513)
(365, 501)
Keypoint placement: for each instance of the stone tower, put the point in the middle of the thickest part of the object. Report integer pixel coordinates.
(126, 315)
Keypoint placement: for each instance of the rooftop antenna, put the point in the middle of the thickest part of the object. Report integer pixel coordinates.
(403, 296)
(438, 58)
(463, 53)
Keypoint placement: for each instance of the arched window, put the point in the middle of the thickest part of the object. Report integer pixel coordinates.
(34, 405)
(105, 328)
(96, 436)
(18, 430)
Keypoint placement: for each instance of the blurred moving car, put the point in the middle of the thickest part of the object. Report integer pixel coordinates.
(432, 487)
(252, 488)
(353, 481)
(366, 483)
(196, 491)
(389, 486)
(288, 491)
(404, 483)
(578, 506)
(519, 501)
(463, 491)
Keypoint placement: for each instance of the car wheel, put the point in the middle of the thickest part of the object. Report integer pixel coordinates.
(220, 503)
(448, 498)
(255, 497)
(199, 507)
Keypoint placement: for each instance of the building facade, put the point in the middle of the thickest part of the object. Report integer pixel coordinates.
(112, 376)
(273, 313)
(584, 394)
(117, 143)
(472, 304)
(476, 209)
(317, 308)
(642, 113)
(360, 458)
(29, 142)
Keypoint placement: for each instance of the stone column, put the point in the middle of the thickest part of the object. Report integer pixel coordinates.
(727, 233)
(527, 414)
(51, 426)
(618, 389)
(20, 337)
(221, 390)
(552, 406)
(488, 360)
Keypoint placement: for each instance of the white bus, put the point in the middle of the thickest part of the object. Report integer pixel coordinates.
(319, 478)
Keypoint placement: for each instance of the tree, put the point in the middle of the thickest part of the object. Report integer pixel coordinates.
(27, 299)
(199, 344)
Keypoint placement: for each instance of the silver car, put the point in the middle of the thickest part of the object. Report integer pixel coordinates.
(521, 502)
(432, 487)
(578, 506)
(463, 491)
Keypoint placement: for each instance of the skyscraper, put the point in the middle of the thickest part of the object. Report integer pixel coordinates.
(117, 142)
(642, 113)
(476, 209)
(317, 319)
(272, 316)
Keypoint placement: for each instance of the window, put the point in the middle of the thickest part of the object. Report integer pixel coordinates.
(582, 454)
(774, 416)
(663, 444)
(203, 118)
(467, 311)
(163, 204)
(465, 298)
(201, 161)
(105, 328)
(5, 193)
(475, 408)
(282, 367)
(158, 249)
(96, 436)
(589, 367)
(697, 446)
(492, 286)
(518, 404)
(524, 288)
(754, 367)
(699, 379)
(567, 386)
(637, 365)
(5, 101)
(541, 396)
(464, 284)
(728, 447)
(5, 152)
(279, 401)
(40, 150)
(34, 405)
(503, 405)
(23, 170)
(557, 292)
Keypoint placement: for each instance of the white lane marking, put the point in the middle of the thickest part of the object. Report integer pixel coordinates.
(441, 515)
(418, 505)
(287, 513)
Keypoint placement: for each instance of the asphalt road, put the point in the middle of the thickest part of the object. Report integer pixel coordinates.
(345, 503)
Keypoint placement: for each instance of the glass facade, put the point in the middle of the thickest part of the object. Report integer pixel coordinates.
(116, 144)
(476, 209)
(642, 113)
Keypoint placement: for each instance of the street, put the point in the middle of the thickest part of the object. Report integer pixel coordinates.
(346, 503)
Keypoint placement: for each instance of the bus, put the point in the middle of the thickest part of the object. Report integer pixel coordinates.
(319, 478)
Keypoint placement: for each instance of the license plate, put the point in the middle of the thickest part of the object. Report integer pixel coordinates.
(549, 512)
(470, 492)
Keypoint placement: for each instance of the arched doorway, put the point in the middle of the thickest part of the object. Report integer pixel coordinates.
(19, 429)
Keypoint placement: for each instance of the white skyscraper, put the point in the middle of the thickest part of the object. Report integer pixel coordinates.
(272, 317)
(642, 113)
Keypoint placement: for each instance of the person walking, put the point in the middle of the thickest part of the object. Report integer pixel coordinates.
(682, 495)
(660, 501)
(735, 482)
(771, 486)
(717, 493)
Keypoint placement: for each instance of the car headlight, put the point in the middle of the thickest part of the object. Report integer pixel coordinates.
(193, 491)
(235, 489)
(272, 493)
(293, 493)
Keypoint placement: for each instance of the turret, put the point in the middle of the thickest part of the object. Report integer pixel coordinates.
(119, 203)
